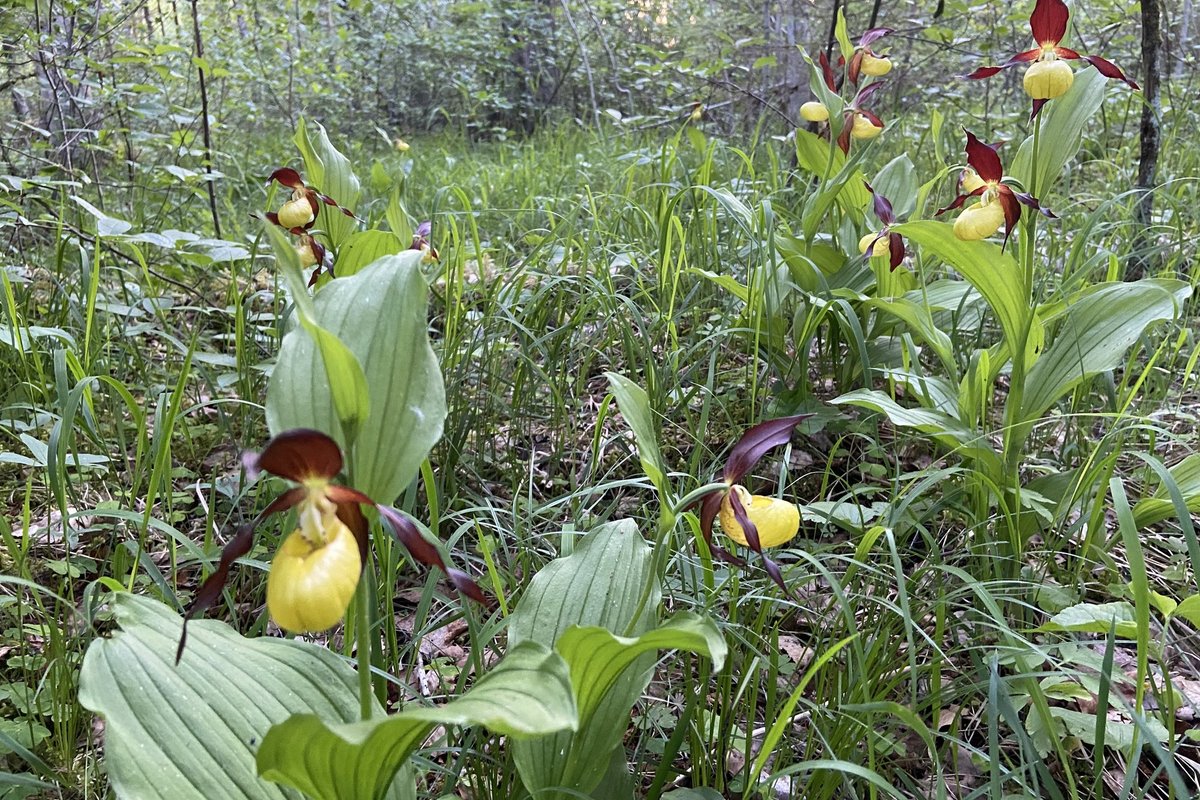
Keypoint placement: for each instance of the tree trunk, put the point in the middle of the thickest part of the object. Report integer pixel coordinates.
(1150, 136)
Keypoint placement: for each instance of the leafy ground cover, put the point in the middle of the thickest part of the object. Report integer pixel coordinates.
(546, 403)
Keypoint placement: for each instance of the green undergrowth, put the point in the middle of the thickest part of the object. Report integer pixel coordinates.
(911, 658)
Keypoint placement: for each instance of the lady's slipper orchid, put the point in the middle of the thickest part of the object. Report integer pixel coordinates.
(866, 61)
(299, 213)
(315, 572)
(998, 203)
(752, 520)
(859, 123)
(884, 242)
(420, 241)
(1048, 77)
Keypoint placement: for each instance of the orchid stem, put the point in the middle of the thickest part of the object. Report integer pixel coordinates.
(362, 644)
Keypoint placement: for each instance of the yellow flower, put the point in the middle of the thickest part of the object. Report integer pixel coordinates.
(863, 128)
(297, 212)
(311, 582)
(875, 66)
(1046, 80)
(812, 111)
(880, 248)
(777, 521)
(401, 145)
(979, 221)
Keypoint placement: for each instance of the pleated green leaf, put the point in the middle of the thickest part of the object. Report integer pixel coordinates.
(1094, 334)
(363, 248)
(527, 693)
(1063, 121)
(597, 657)
(599, 585)
(190, 732)
(992, 272)
(331, 173)
(379, 314)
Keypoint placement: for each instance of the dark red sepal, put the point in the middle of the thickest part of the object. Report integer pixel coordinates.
(352, 517)
(750, 531)
(896, 249)
(299, 454)
(1109, 70)
(1048, 22)
(756, 441)
(286, 176)
(1066, 52)
(1037, 109)
(272, 217)
(983, 159)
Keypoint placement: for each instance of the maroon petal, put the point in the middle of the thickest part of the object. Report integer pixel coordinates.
(843, 140)
(352, 517)
(750, 531)
(1109, 70)
(1034, 203)
(896, 248)
(286, 176)
(864, 94)
(272, 218)
(827, 72)
(872, 35)
(1048, 22)
(1067, 53)
(756, 441)
(423, 550)
(852, 71)
(210, 590)
(299, 454)
(465, 586)
(882, 206)
(983, 159)
(1037, 109)
(958, 201)
(982, 72)
(1012, 211)
(709, 506)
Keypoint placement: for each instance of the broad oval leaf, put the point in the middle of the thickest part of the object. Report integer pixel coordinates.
(1094, 334)
(528, 693)
(1095, 618)
(379, 314)
(191, 731)
(363, 248)
(994, 273)
(600, 584)
(330, 172)
(1063, 122)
